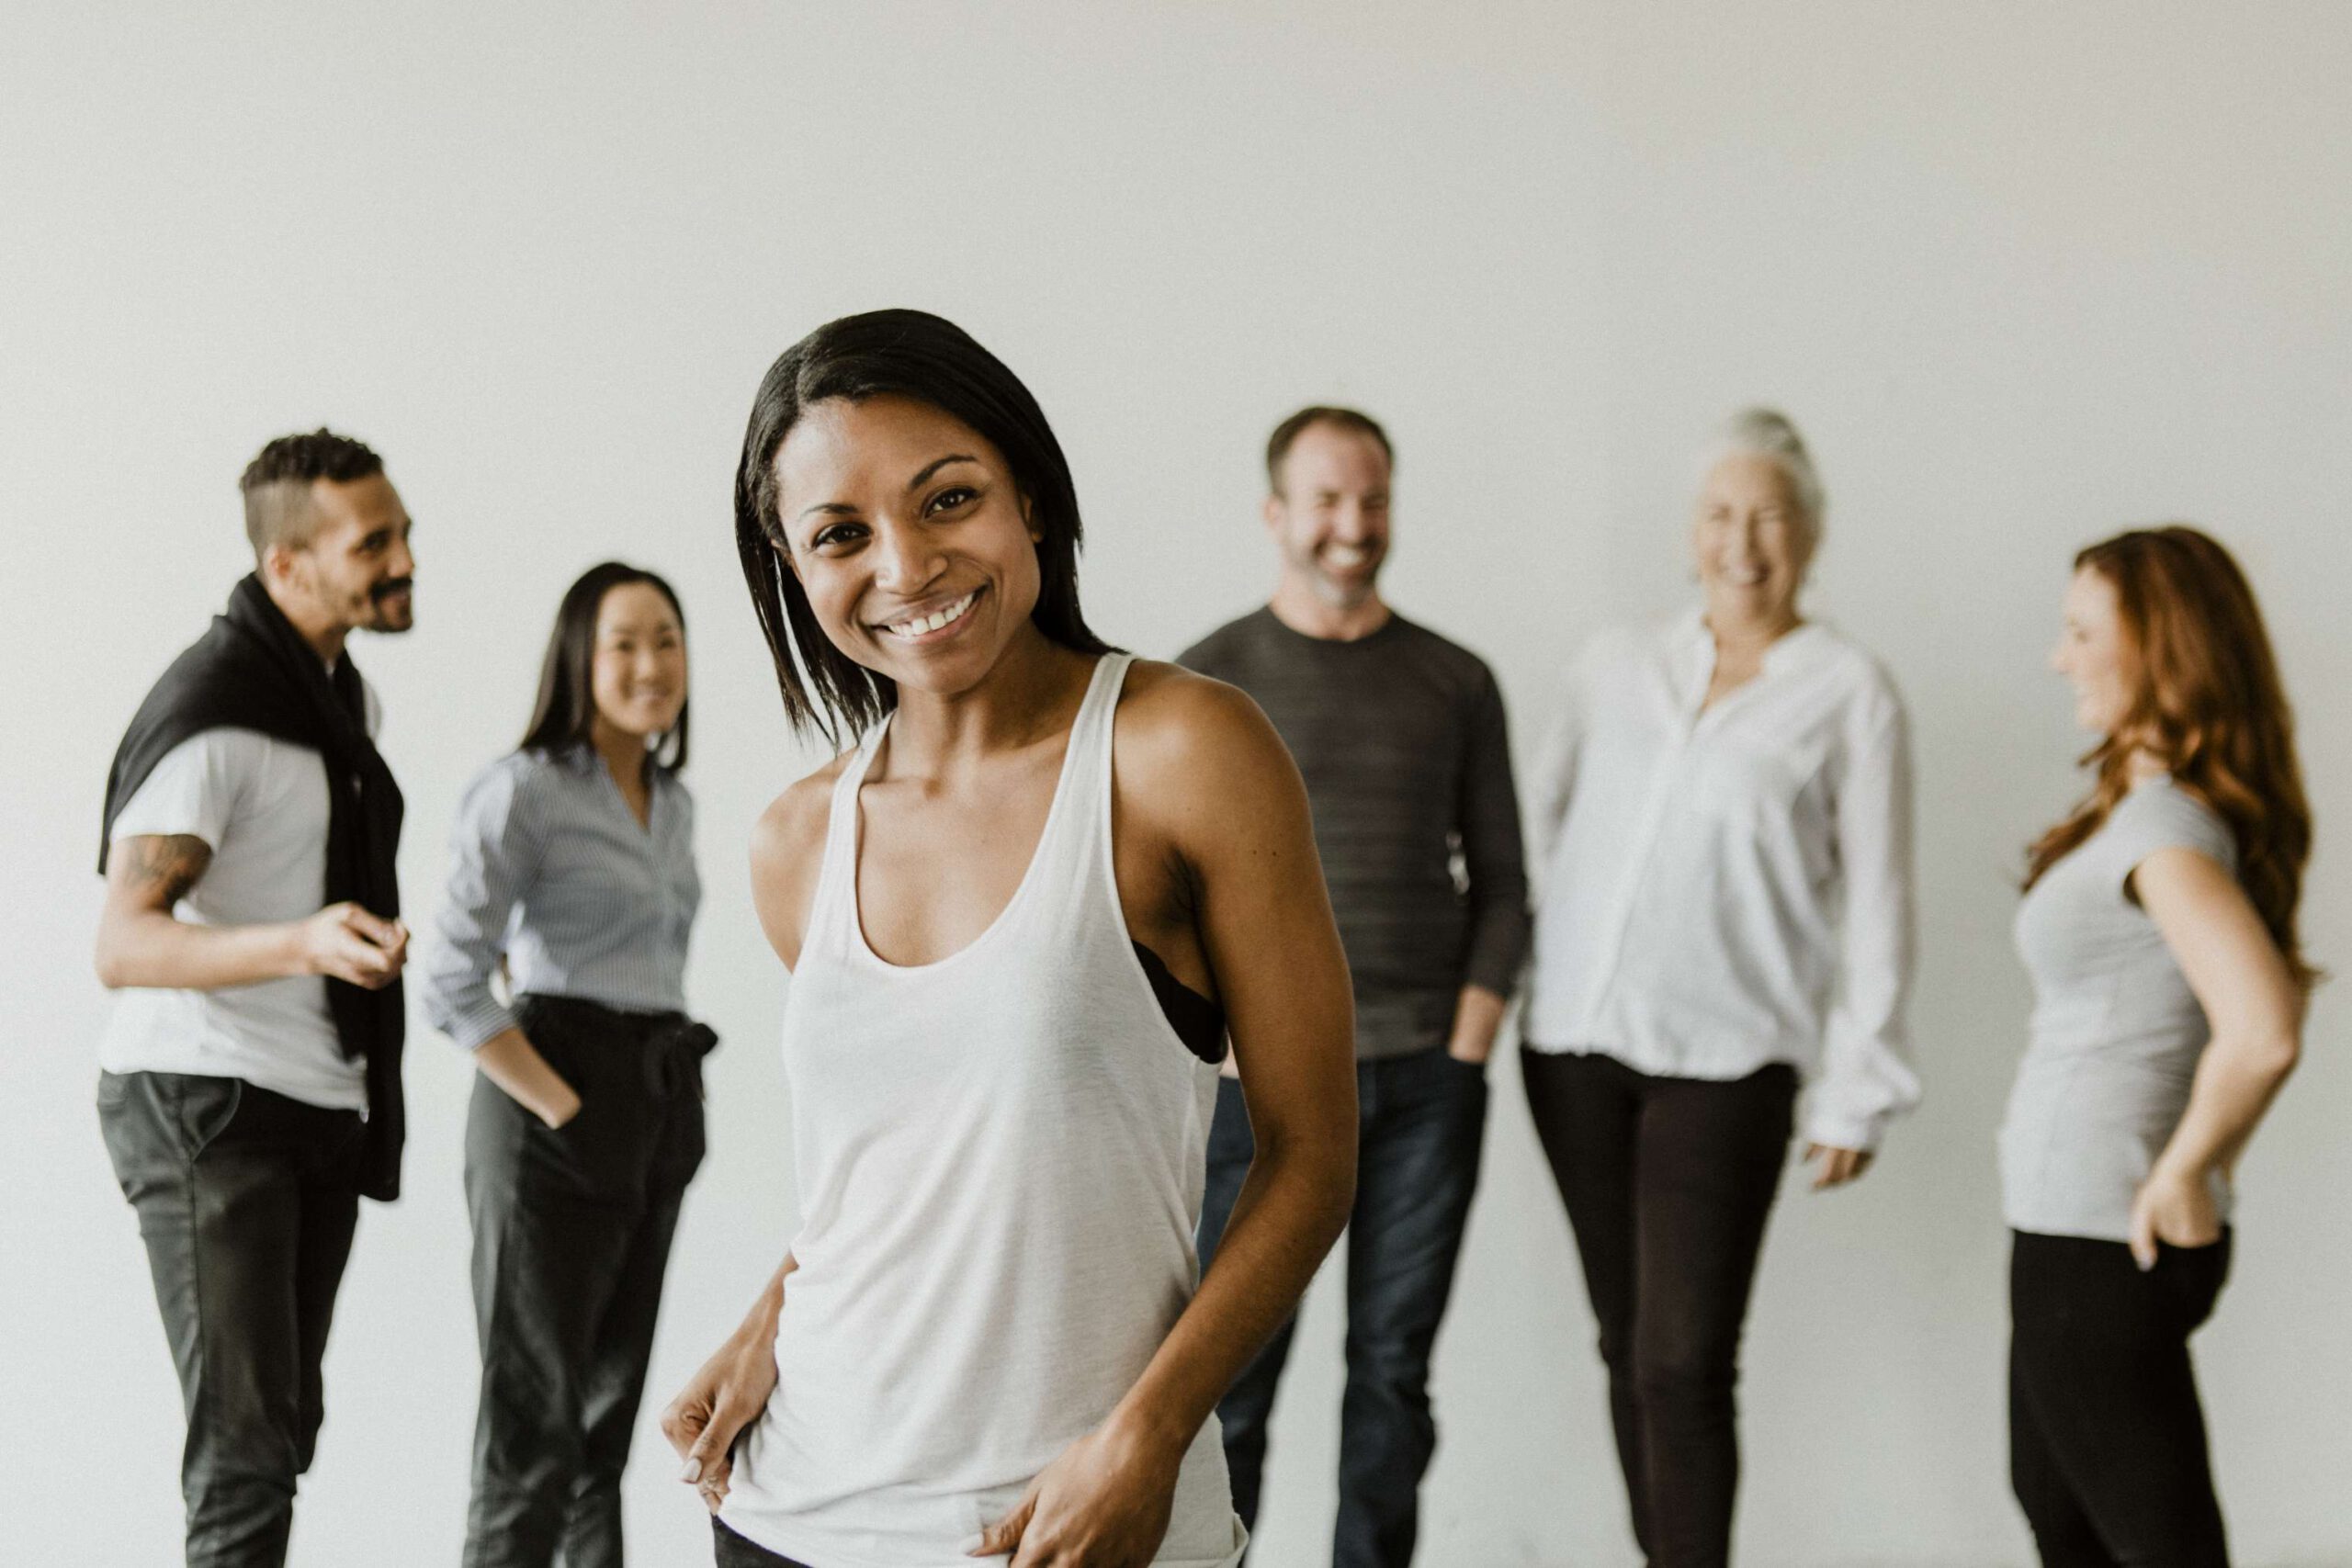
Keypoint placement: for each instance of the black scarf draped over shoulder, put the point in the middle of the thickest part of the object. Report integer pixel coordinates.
(253, 670)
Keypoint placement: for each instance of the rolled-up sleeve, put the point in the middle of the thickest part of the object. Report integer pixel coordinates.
(1867, 1077)
(1491, 850)
(492, 858)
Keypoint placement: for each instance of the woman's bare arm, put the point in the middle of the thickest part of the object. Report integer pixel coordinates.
(732, 1387)
(2255, 1008)
(1202, 770)
(1236, 812)
(726, 1394)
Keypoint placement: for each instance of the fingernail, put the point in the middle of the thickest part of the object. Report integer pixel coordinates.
(692, 1473)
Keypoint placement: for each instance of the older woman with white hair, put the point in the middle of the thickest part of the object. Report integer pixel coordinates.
(1725, 916)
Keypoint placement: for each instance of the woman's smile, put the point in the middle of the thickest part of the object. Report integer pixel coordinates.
(933, 623)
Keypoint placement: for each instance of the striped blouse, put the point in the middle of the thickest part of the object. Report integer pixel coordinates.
(552, 873)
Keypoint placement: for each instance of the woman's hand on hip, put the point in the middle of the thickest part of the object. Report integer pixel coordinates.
(2176, 1208)
(1104, 1503)
(1837, 1166)
(726, 1395)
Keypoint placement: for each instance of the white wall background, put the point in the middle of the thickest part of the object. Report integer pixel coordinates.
(2024, 273)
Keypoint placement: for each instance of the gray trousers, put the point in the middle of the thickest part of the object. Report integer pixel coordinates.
(571, 1234)
(247, 1201)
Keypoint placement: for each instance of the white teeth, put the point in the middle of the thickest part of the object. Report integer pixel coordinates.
(932, 623)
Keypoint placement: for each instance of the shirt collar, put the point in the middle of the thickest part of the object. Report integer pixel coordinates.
(1691, 652)
(1688, 637)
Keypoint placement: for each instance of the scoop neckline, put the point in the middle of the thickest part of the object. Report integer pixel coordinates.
(1020, 891)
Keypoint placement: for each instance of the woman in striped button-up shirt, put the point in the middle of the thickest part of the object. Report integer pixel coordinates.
(574, 872)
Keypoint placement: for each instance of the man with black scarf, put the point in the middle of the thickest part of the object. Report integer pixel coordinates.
(251, 1093)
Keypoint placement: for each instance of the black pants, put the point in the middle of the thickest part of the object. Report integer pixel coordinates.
(247, 1201)
(2107, 1439)
(732, 1551)
(1420, 1128)
(571, 1234)
(1667, 1184)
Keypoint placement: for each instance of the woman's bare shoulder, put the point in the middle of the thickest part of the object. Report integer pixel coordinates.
(1184, 736)
(787, 847)
(794, 823)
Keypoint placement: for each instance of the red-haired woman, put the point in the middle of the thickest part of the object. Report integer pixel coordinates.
(2158, 927)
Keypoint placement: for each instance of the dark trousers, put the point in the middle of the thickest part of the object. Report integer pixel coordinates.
(1668, 1183)
(732, 1551)
(1421, 1127)
(247, 1201)
(571, 1234)
(2107, 1439)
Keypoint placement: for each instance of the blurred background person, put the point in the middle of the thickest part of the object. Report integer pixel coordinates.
(2158, 928)
(1725, 915)
(1400, 736)
(251, 1090)
(574, 872)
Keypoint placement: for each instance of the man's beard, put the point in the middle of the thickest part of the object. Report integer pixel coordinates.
(381, 616)
(1344, 595)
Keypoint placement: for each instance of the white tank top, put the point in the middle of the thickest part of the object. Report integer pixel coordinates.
(999, 1158)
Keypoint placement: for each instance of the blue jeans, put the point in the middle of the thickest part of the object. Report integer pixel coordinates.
(1421, 1127)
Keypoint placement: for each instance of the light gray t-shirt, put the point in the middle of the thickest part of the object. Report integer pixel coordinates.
(2116, 1030)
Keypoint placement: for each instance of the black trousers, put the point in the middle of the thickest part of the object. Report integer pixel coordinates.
(1420, 1129)
(2107, 1439)
(247, 1201)
(1668, 1183)
(571, 1234)
(732, 1551)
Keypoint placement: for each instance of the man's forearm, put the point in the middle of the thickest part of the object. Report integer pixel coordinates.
(152, 949)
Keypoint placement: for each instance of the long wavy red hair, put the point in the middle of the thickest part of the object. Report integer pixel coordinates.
(2208, 702)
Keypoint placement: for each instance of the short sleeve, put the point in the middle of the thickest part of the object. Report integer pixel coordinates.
(193, 791)
(2163, 816)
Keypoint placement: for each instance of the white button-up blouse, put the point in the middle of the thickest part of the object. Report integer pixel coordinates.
(1727, 889)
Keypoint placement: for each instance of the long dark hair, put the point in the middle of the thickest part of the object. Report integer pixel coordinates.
(565, 714)
(2209, 703)
(906, 353)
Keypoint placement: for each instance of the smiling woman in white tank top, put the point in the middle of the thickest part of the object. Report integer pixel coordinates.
(1020, 915)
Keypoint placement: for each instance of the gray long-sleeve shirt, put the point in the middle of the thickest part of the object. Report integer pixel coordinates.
(550, 872)
(1400, 737)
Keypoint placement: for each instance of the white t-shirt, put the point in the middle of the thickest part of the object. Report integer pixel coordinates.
(261, 805)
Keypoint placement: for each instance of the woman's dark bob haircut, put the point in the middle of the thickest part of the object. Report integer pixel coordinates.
(907, 354)
(565, 714)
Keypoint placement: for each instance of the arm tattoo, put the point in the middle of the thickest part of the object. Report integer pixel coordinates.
(162, 869)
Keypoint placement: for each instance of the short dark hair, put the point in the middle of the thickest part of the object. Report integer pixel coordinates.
(564, 717)
(908, 353)
(277, 483)
(1279, 443)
